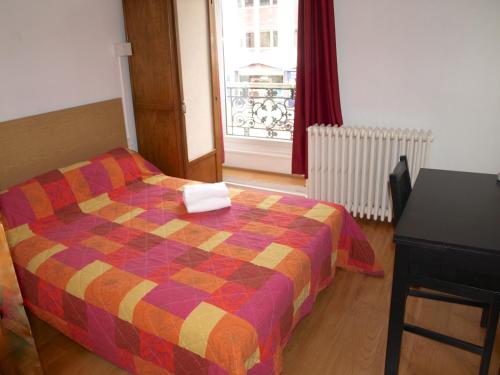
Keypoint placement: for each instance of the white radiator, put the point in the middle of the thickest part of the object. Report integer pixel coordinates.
(351, 166)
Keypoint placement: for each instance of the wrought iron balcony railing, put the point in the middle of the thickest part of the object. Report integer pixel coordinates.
(260, 110)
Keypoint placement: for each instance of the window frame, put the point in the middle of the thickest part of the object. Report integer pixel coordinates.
(247, 34)
(273, 38)
(272, 3)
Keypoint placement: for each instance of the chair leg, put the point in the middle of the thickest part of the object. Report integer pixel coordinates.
(491, 330)
(484, 316)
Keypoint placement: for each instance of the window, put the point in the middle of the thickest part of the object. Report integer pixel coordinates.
(268, 2)
(268, 39)
(250, 41)
(258, 67)
(245, 3)
(265, 39)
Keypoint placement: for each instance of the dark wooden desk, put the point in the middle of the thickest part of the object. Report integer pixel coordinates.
(449, 231)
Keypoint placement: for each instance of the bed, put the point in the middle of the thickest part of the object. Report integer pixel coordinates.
(105, 252)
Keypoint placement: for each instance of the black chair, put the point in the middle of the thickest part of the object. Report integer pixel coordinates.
(400, 184)
(400, 187)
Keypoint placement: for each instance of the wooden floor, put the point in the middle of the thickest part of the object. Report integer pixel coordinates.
(345, 334)
(276, 178)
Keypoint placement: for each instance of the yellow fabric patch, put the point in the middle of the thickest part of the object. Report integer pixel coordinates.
(74, 166)
(171, 227)
(215, 240)
(320, 212)
(269, 201)
(234, 192)
(40, 258)
(18, 234)
(95, 204)
(197, 327)
(79, 282)
(253, 359)
(130, 301)
(334, 259)
(155, 180)
(301, 298)
(272, 255)
(129, 215)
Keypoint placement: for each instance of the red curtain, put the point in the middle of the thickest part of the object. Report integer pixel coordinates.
(317, 96)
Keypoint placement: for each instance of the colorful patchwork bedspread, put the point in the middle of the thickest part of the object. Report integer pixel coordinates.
(106, 253)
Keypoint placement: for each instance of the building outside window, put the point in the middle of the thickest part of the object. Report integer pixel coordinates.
(259, 65)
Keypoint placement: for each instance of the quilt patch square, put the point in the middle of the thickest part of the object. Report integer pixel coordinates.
(145, 242)
(200, 280)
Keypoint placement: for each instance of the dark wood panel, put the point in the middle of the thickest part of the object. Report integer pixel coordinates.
(153, 65)
(154, 71)
(204, 168)
(157, 138)
(36, 144)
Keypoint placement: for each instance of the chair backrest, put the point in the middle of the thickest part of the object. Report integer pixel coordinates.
(400, 183)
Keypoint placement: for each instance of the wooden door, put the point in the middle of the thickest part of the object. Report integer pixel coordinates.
(200, 88)
(154, 73)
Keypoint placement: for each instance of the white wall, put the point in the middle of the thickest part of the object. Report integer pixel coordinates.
(56, 54)
(431, 64)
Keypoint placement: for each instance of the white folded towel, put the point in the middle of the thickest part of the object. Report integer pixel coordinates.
(208, 204)
(194, 193)
(206, 197)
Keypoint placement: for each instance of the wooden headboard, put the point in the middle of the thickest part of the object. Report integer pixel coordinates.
(33, 145)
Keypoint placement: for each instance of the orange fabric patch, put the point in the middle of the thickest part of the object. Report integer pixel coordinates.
(141, 164)
(237, 334)
(157, 321)
(141, 224)
(115, 172)
(335, 221)
(40, 203)
(297, 266)
(266, 229)
(101, 244)
(26, 250)
(235, 251)
(192, 234)
(280, 207)
(108, 290)
(250, 198)
(199, 280)
(55, 272)
(173, 183)
(172, 206)
(113, 210)
(78, 185)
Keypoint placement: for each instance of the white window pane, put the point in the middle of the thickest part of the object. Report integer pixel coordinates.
(265, 39)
